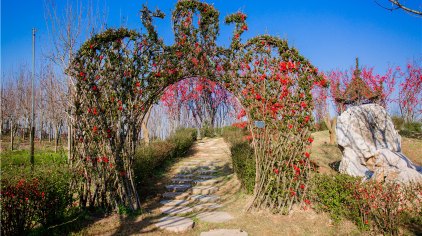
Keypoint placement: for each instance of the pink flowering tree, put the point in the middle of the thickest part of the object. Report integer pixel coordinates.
(410, 94)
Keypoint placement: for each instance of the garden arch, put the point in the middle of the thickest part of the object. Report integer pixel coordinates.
(120, 73)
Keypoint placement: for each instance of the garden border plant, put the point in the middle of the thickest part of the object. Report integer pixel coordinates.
(121, 73)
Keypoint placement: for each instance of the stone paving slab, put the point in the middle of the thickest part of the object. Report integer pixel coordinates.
(175, 195)
(206, 176)
(174, 202)
(175, 210)
(184, 176)
(206, 207)
(224, 232)
(203, 182)
(205, 198)
(181, 180)
(214, 216)
(203, 190)
(205, 171)
(178, 187)
(175, 224)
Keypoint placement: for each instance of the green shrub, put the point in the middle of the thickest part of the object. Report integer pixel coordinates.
(47, 196)
(208, 131)
(43, 199)
(398, 122)
(243, 157)
(384, 207)
(412, 126)
(149, 158)
(334, 194)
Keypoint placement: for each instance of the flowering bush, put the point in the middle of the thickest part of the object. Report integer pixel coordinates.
(32, 201)
(384, 207)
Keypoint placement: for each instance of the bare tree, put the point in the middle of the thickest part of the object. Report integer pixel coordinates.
(396, 4)
(67, 29)
(9, 107)
(55, 102)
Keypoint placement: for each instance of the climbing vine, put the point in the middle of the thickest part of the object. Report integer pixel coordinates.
(121, 73)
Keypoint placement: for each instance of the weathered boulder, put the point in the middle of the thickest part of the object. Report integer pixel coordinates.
(371, 146)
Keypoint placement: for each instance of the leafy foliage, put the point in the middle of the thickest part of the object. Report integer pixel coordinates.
(121, 73)
(383, 207)
(149, 158)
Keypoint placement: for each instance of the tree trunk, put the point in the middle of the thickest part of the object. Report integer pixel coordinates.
(69, 140)
(49, 133)
(57, 136)
(11, 135)
(145, 130)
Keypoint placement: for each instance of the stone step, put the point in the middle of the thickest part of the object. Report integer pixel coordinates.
(206, 207)
(206, 182)
(184, 176)
(204, 190)
(176, 195)
(180, 202)
(178, 187)
(214, 217)
(206, 172)
(176, 210)
(181, 180)
(175, 224)
(204, 198)
(206, 177)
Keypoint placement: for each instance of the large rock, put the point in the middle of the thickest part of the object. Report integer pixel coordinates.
(371, 146)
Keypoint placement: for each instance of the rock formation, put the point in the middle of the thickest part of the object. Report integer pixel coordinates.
(371, 146)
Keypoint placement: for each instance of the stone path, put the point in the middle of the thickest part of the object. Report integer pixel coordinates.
(197, 190)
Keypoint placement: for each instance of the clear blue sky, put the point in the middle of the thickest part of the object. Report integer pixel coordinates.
(329, 33)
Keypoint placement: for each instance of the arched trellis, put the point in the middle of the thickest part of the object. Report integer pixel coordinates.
(121, 73)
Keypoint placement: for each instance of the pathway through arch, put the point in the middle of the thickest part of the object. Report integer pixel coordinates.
(199, 189)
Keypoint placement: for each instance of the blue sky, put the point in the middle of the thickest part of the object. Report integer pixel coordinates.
(329, 33)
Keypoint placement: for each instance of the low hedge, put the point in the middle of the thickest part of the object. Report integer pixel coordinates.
(149, 158)
(243, 157)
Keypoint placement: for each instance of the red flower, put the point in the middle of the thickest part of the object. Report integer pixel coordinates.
(307, 155)
(303, 104)
(307, 201)
(82, 74)
(95, 129)
(138, 84)
(258, 97)
(158, 74)
(245, 27)
(283, 66)
(105, 159)
(94, 111)
(302, 186)
(195, 61)
(120, 108)
(306, 118)
(276, 171)
(101, 57)
(94, 88)
(290, 126)
(310, 139)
